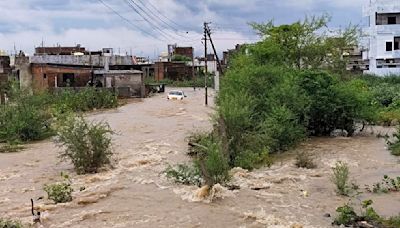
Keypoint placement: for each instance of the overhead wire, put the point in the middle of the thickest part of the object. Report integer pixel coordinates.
(148, 15)
(129, 21)
(152, 25)
(162, 14)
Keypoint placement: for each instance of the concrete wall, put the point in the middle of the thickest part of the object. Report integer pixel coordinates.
(172, 70)
(84, 60)
(23, 68)
(133, 81)
(45, 76)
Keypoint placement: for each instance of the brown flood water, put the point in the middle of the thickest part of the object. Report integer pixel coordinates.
(151, 135)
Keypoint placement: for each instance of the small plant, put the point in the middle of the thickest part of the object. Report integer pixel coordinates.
(60, 192)
(8, 223)
(184, 174)
(340, 178)
(392, 222)
(305, 160)
(369, 213)
(10, 148)
(346, 216)
(87, 145)
(387, 185)
(394, 146)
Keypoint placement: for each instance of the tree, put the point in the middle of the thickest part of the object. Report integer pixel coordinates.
(305, 44)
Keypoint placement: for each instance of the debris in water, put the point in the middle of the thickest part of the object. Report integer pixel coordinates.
(204, 194)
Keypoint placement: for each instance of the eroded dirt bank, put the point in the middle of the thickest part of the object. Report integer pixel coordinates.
(151, 135)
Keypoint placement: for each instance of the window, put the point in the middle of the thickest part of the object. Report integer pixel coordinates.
(44, 76)
(392, 21)
(396, 43)
(389, 46)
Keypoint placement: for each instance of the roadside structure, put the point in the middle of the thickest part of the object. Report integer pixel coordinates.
(59, 67)
(381, 44)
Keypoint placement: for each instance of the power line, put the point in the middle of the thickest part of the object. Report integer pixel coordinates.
(128, 21)
(164, 34)
(166, 24)
(158, 17)
(160, 13)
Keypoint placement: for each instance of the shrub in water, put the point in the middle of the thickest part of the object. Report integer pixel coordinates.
(212, 163)
(340, 178)
(87, 145)
(8, 223)
(305, 160)
(60, 192)
(184, 174)
(394, 146)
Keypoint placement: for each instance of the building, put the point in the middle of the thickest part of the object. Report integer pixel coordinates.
(55, 67)
(5, 72)
(188, 52)
(130, 83)
(381, 46)
(177, 71)
(60, 50)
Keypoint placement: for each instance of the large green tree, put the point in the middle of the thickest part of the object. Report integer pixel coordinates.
(307, 44)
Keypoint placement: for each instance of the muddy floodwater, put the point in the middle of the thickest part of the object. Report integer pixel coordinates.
(135, 193)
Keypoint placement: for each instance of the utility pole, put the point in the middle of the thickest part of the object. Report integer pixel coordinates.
(215, 52)
(205, 62)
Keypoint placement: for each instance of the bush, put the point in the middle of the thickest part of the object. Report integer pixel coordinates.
(84, 100)
(24, 120)
(305, 160)
(87, 145)
(346, 216)
(394, 146)
(264, 110)
(7, 223)
(336, 104)
(387, 185)
(212, 163)
(184, 174)
(340, 178)
(60, 192)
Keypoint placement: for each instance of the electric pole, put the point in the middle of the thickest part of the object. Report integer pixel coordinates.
(215, 52)
(205, 62)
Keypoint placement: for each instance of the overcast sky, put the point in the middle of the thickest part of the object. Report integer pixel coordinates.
(92, 24)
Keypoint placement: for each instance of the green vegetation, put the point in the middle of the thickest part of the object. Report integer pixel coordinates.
(387, 185)
(185, 174)
(30, 117)
(385, 93)
(347, 216)
(87, 145)
(181, 58)
(305, 160)
(8, 223)
(340, 178)
(287, 87)
(394, 146)
(209, 157)
(60, 192)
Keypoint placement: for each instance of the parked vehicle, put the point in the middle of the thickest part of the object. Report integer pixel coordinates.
(176, 95)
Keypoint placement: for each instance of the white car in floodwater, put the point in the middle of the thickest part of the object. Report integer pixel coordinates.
(176, 95)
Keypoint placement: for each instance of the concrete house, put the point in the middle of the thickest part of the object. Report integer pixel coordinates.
(381, 45)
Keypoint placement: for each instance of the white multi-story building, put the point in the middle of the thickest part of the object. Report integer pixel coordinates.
(382, 37)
